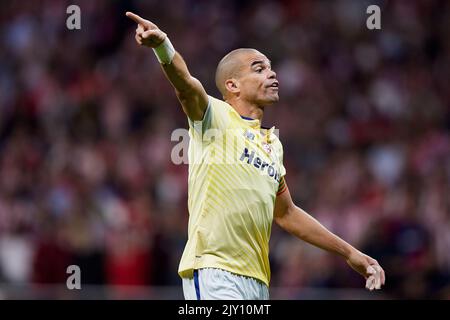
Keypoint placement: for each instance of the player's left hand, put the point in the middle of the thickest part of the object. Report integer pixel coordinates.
(368, 268)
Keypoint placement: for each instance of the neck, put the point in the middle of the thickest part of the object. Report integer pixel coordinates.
(246, 109)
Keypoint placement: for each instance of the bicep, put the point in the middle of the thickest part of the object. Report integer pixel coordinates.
(194, 100)
(288, 216)
(283, 203)
(293, 219)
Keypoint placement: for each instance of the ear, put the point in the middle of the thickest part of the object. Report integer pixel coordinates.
(232, 85)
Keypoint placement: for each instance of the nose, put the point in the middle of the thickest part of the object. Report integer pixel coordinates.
(272, 74)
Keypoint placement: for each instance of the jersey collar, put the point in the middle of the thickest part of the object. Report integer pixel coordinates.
(256, 124)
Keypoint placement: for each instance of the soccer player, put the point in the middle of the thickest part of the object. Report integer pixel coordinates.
(232, 203)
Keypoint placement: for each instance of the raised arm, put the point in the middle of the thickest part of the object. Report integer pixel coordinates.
(189, 90)
(299, 223)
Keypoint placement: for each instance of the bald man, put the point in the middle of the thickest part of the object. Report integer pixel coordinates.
(237, 184)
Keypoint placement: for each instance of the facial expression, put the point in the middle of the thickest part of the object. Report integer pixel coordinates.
(257, 81)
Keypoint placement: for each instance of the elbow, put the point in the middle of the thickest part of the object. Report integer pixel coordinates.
(286, 219)
(279, 221)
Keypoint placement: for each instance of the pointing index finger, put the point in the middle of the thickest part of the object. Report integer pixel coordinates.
(136, 18)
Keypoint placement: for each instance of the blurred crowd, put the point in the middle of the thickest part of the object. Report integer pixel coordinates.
(86, 117)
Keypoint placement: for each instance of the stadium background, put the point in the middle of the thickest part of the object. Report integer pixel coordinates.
(86, 117)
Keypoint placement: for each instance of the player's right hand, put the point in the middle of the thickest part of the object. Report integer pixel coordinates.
(147, 33)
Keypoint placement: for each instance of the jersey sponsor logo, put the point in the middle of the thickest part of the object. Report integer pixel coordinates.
(267, 148)
(249, 135)
(265, 167)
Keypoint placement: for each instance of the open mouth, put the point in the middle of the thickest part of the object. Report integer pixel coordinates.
(274, 85)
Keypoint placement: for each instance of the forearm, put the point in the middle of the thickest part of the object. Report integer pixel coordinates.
(299, 223)
(178, 74)
(189, 90)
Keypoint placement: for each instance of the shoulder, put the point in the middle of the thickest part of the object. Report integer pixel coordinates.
(220, 109)
(275, 137)
(218, 103)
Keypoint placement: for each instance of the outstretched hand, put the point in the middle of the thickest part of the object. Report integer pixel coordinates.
(147, 33)
(368, 268)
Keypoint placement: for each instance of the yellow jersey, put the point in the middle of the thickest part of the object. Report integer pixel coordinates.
(235, 172)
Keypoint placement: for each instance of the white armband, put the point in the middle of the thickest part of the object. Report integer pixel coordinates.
(165, 51)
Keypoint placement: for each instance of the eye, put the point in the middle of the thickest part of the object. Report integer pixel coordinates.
(259, 70)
